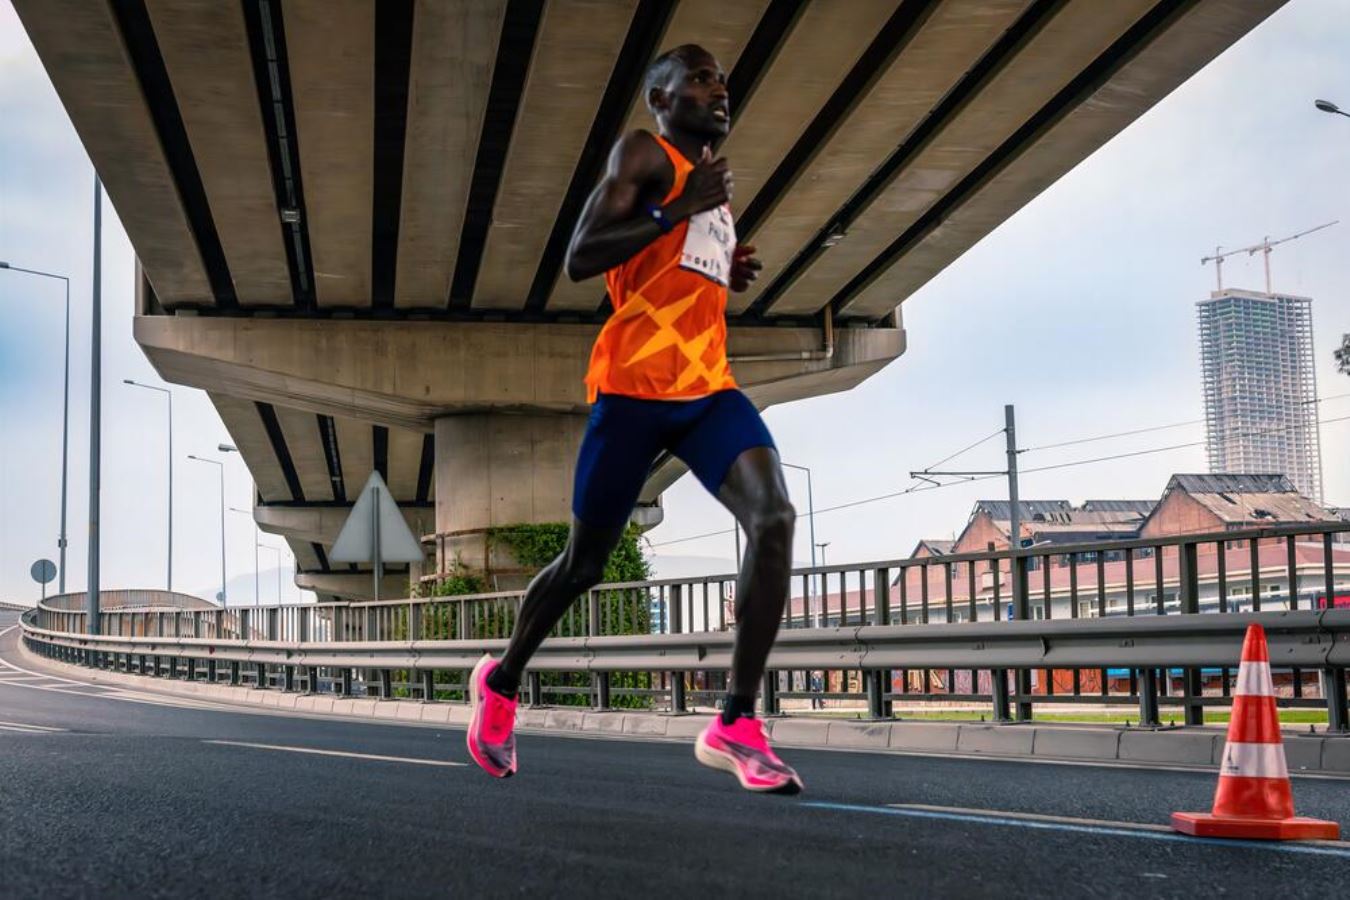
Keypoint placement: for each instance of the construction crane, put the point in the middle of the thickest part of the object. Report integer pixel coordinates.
(1264, 247)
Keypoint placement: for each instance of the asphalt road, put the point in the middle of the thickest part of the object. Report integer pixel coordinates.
(106, 791)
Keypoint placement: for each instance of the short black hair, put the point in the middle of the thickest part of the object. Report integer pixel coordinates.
(659, 72)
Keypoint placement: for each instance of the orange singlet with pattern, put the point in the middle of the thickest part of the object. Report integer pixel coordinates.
(667, 338)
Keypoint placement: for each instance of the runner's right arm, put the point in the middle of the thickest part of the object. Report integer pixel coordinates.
(616, 224)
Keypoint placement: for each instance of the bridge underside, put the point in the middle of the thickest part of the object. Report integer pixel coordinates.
(351, 216)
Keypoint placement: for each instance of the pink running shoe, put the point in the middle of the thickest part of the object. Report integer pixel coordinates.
(491, 736)
(742, 750)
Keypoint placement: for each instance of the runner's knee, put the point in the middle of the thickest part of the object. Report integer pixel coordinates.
(772, 524)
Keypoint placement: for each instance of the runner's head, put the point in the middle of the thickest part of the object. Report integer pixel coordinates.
(686, 90)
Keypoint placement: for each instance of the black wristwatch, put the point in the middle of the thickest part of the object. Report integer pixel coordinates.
(659, 217)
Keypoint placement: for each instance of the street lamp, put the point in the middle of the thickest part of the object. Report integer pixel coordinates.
(221, 466)
(169, 394)
(1327, 106)
(65, 414)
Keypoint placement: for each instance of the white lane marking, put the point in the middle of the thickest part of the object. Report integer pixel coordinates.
(316, 752)
(1030, 817)
(19, 729)
(1340, 849)
(28, 726)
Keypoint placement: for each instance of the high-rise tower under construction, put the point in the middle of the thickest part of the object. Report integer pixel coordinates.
(1256, 357)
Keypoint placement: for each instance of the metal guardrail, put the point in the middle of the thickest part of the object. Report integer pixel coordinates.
(888, 646)
(125, 599)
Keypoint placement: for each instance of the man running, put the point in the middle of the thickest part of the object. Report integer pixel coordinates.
(659, 227)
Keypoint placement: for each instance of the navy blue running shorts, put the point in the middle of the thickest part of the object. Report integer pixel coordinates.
(625, 436)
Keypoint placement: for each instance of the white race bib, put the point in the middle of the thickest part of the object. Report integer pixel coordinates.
(709, 244)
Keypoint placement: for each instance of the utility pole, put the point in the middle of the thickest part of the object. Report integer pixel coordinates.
(1016, 567)
(95, 412)
(1014, 509)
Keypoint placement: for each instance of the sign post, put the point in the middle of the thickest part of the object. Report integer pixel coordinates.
(43, 571)
(376, 532)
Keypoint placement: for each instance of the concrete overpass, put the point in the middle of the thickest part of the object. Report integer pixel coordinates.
(350, 217)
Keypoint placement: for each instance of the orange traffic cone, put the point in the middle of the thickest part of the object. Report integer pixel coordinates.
(1254, 799)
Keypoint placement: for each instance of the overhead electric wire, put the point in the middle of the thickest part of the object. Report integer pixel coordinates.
(1144, 431)
(947, 459)
(930, 486)
(1231, 438)
(914, 488)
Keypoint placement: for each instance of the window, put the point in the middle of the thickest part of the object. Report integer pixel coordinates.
(1087, 609)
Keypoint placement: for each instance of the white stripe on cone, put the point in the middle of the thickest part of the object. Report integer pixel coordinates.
(1254, 680)
(1253, 761)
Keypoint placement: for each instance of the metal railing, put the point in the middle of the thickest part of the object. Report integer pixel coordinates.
(1148, 622)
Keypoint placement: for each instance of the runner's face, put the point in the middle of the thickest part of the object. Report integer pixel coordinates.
(697, 100)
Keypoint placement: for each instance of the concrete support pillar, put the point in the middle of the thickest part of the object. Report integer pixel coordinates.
(499, 469)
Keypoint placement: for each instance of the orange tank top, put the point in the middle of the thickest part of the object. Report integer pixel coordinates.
(667, 338)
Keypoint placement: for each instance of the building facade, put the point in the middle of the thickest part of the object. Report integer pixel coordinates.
(1259, 382)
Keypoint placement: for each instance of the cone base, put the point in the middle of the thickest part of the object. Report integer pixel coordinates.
(1293, 829)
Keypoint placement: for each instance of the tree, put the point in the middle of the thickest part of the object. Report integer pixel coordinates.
(1343, 355)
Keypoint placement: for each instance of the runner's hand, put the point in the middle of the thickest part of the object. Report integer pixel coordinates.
(744, 267)
(707, 187)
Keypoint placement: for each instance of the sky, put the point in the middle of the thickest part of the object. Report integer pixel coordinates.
(1079, 310)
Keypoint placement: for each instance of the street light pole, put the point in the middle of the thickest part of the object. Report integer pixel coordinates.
(825, 585)
(277, 550)
(65, 417)
(169, 394)
(92, 587)
(256, 535)
(221, 466)
(810, 515)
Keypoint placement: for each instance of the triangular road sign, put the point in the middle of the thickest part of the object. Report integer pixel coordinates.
(376, 520)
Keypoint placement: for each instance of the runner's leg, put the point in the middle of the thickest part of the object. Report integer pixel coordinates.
(622, 438)
(755, 493)
(552, 591)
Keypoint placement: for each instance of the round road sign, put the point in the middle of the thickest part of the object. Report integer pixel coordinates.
(43, 571)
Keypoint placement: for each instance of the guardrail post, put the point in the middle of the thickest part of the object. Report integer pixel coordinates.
(1148, 699)
(1017, 565)
(428, 685)
(288, 678)
(770, 698)
(678, 703)
(878, 707)
(260, 676)
(535, 688)
(210, 670)
(999, 683)
(173, 667)
(600, 681)
(1192, 689)
(234, 672)
(345, 681)
(191, 669)
(386, 684)
(1338, 717)
(311, 679)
